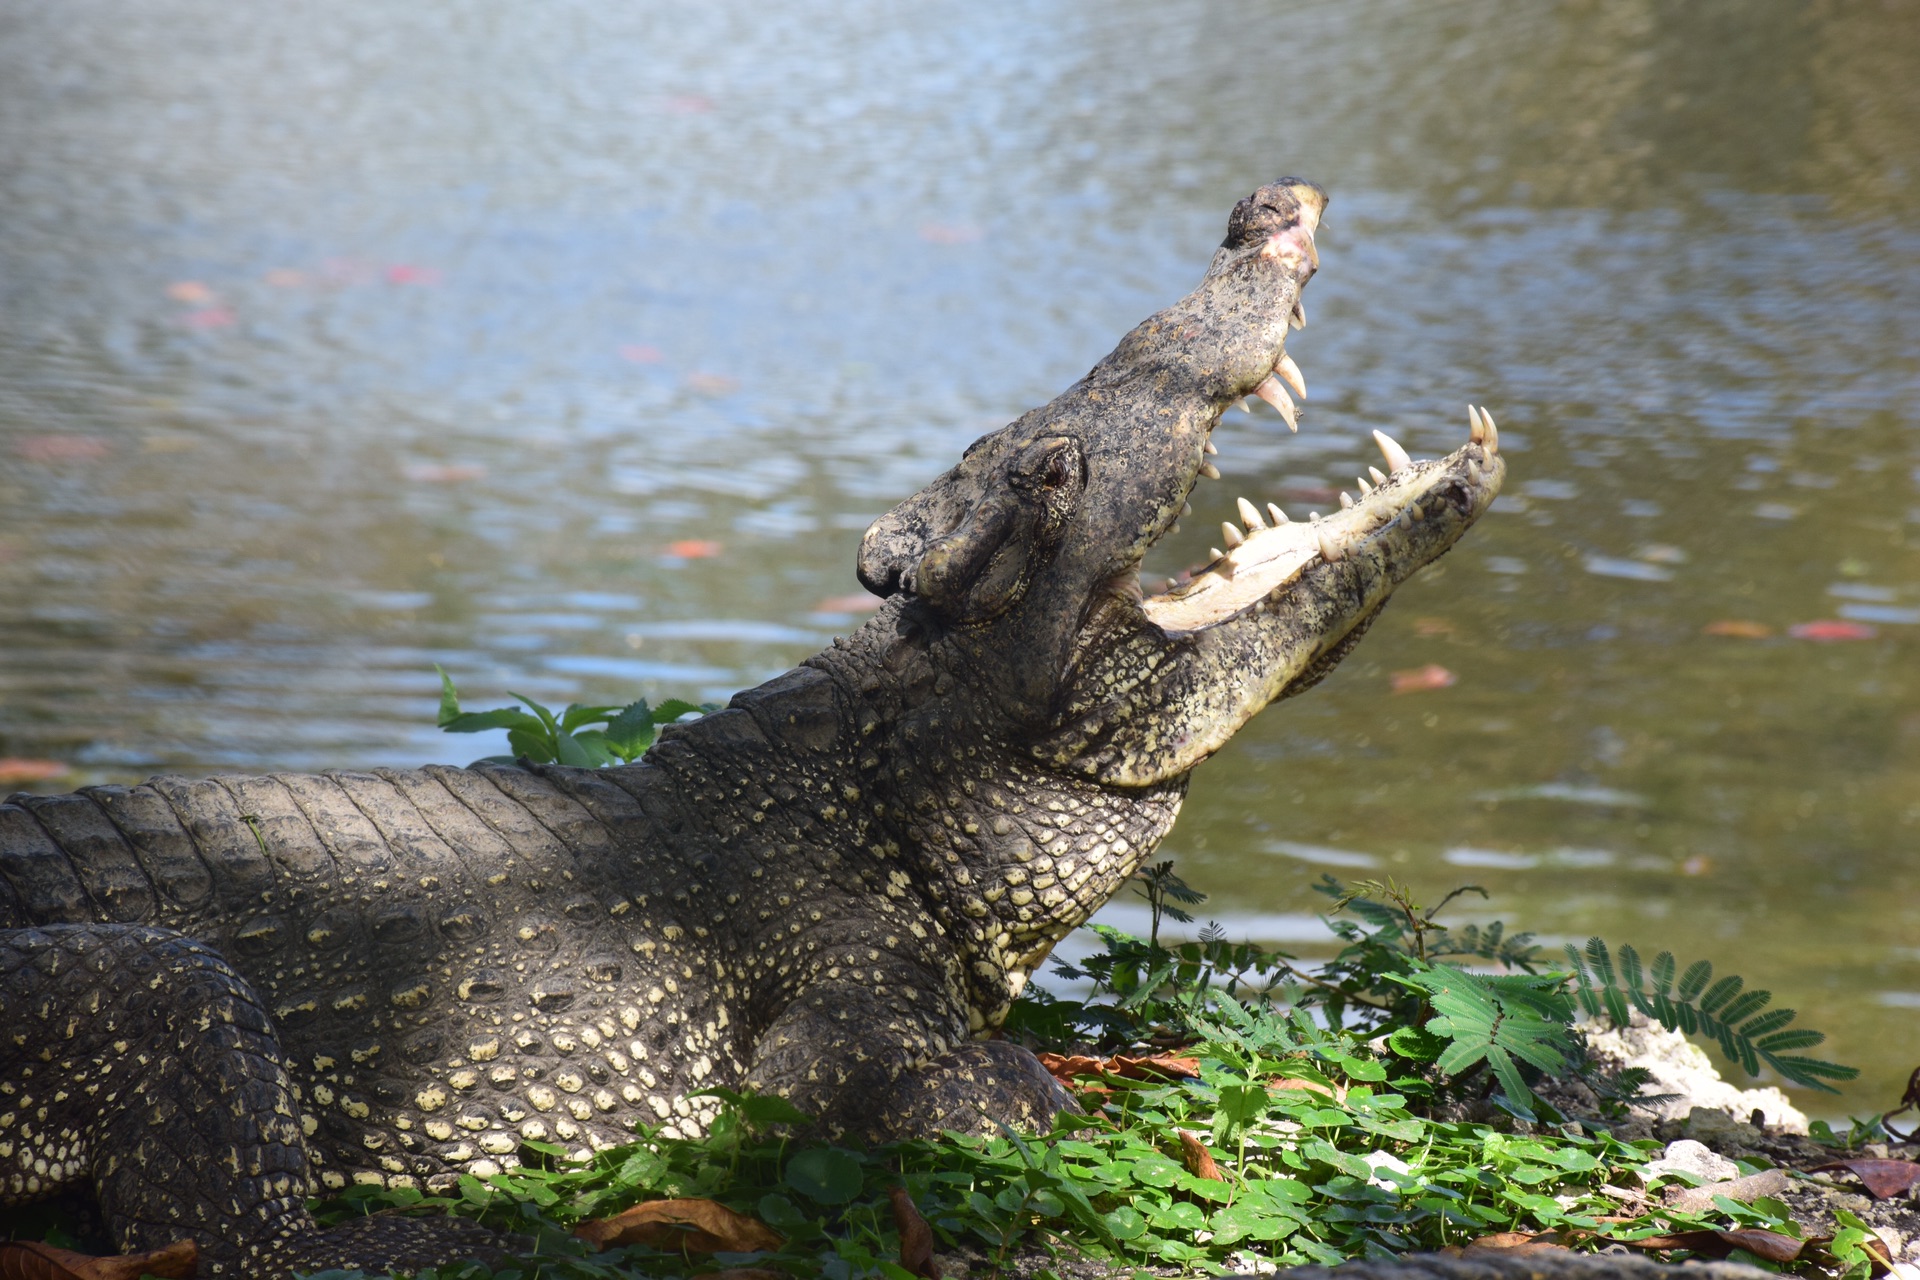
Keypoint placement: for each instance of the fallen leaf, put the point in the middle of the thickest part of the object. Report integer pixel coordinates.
(691, 1226)
(712, 384)
(28, 1260)
(1826, 629)
(189, 291)
(407, 273)
(61, 448)
(858, 602)
(1771, 1245)
(949, 233)
(642, 353)
(1199, 1160)
(13, 769)
(208, 318)
(1421, 679)
(1883, 1179)
(1158, 1066)
(916, 1237)
(1515, 1242)
(443, 472)
(694, 548)
(1739, 628)
(1432, 627)
(285, 278)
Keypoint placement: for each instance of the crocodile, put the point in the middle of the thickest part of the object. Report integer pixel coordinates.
(220, 992)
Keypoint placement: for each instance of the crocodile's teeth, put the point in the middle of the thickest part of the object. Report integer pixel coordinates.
(1397, 459)
(1346, 500)
(1210, 471)
(1299, 317)
(1365, 488)
(1329, 550)
(1233, 536)
(1291, 375)
(1417, 511)
(1276, 395)
(1246, 406)
(1211, 449)
(1186, 508)
(1493, 432)
(1174, 527)
(1377, 477)
(1216, 553)
(1250, 516)
(1279, 516)
(1476, 429)
(1473, 471)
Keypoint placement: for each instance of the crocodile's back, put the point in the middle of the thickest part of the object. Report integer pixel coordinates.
(458, 950)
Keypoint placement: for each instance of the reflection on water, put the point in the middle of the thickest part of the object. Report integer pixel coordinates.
(572, 346)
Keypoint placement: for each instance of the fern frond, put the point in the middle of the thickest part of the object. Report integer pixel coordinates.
(1723, 1011)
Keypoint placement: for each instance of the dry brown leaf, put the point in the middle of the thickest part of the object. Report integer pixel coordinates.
(916, 1237)
(691, 1226)
(1515, 1242)
(30, 1260)
(1311, 1086)
(1771, 1245)
(1156, 1066)
(1199, 1160)
(1883, 1179)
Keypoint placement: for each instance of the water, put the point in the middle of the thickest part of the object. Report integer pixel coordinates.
(572, 346)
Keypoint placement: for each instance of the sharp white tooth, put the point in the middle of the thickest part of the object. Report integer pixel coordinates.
(1397, 459)
(1329, 550)
(1186, 508)
(1233, 536)
(1216, 553)
(1476, 429)
(1346, 500)
(1473, 471)
(1377, 477)
(1250, 516)
(1299, 317)
(1174, 527)
(1279, 516)
(1210, 471)
(1276, 395)
(1493, 432)
(1291, 375)
(1246, 406)
(1314, 517)
(1417, 511)
(1365, 488)
(1212, 449)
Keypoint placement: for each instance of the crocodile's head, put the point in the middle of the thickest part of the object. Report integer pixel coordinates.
(1023, 561)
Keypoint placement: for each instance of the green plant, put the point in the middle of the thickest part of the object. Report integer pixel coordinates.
(1697, 1005)
(539, 735)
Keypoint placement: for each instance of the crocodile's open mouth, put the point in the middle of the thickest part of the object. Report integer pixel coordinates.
(1266, 550)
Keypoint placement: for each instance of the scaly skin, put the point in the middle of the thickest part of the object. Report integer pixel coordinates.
(832, 890)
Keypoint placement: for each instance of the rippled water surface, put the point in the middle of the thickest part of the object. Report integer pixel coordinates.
(572, 346)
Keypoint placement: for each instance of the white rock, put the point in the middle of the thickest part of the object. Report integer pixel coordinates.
(1679, 1066)
(1688, 1156)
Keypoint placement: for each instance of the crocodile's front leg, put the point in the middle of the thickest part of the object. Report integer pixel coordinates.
(876, 1054)
(136, 1062)
(1179, 673)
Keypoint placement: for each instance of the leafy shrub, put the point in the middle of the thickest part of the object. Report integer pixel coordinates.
(538, 735)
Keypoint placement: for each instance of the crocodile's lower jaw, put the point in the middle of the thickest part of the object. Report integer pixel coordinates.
(1272, 551)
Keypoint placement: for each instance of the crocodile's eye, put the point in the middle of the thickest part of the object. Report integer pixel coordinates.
(1058, 470)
